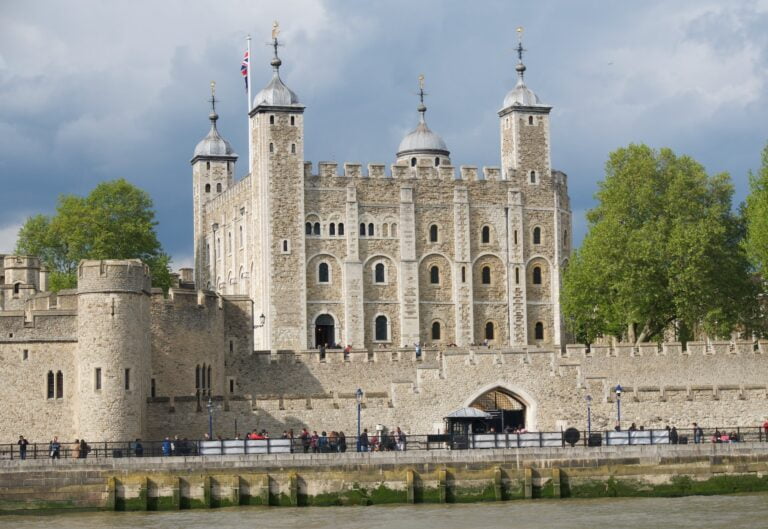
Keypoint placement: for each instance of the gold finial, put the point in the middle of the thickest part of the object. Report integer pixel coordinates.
(421, 81)
(275, 29)
(213, 88)
(520, 32)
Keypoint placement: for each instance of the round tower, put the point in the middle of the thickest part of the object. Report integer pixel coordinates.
(113, 349)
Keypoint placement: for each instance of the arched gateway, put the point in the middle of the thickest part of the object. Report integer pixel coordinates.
(507, 411)
(324, 330)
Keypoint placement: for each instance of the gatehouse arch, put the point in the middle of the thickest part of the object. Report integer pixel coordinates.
(503, 397)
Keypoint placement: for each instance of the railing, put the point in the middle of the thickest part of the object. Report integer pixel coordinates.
(384, 443)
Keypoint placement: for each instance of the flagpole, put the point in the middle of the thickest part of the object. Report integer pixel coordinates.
(250, 102)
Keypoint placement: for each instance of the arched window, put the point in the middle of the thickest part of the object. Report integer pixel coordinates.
(436, 330)
(218, 188)
(316, 228)
(539, 331)
(530, 120)
(486, 275)
(565, 238)
(293, 120)
(536, 235)
(393, 229)
(322, 273)
(197, 377)
(437, 162)
(208, 165)
(370, 229)
(332, 229)
(433, 233)
(486, 235)
(489, 330)
(362, 229)
(382, 329)
(308, 228)
(271, 147)
(59, 385)
(271, 120)
(378, 273)
(413, 162)
(341, 228)
(293, 148)
(537, 275)
(207, 188)
(533, 177)
(50, 385)
(434, 275)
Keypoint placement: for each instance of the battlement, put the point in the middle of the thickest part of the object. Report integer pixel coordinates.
(15, 262)
(129, 275)
(708, 348)
(184, 298)
(469, 173)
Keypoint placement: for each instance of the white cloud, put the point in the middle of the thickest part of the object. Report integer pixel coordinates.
(8, 235)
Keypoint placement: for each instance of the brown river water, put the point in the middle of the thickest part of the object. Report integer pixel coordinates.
(699, 512)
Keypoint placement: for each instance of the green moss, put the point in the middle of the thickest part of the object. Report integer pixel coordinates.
(677, 486)
(247, 499)
(473, 495)
(383, 494)
(547, 491)
(161, 503)
(280, 500)
(192, 503)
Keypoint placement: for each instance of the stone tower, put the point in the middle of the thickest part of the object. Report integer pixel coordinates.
(112, 357)
(538, 212)
(213, 167)
(278, 286)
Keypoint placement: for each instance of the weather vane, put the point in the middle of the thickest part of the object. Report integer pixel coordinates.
(275, 29)
(213, 96)
(520, 48)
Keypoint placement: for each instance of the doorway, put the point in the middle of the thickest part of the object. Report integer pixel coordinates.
(506, 410)
(325, 331)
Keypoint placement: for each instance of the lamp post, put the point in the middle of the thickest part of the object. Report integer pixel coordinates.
(618, 405)
(589, 416)
(259, 325)
(210, 418)
(359, 399)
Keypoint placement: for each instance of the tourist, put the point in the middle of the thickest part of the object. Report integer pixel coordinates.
(362, 443)
(166, 448)
(74, 451)
(400, 436)
(313, 441)
(633, 427)
(305, 440)
(138, 448)
(347, 350)
(55, 448)
(673, 436)
(698, 433)
(333, 441)
(717, 438)
(418, 351)
(322, 443)
(342, 442)
(285, 435)
(765, 429)
(22, 447)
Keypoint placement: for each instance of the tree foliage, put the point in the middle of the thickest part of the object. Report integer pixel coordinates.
(756, 215)
(663, 247)
(115, 221)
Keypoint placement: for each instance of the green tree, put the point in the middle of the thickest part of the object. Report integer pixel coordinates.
(115, 221)
(756, 215)
(663, 247)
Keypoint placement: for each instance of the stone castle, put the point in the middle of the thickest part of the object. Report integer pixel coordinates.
(466, 263)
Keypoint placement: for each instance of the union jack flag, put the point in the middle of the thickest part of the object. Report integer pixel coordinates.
(244, 70)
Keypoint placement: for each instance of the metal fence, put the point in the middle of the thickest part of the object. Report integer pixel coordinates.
(384, 443)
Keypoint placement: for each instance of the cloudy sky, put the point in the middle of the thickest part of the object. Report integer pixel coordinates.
(93, 90)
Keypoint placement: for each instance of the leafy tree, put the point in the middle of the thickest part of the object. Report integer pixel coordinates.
(115, 221)
(756, 215)
(663, 247)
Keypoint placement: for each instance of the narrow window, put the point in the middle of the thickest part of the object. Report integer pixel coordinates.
(378, 273)
(413, 162)
(152, 388)
(530, 120)
(539, 332)
(197, 377)
(97, 379)
(436, 330)
(232, 380)
(285, 245)
(308, 228)
(218, 188)
(341, 228)
(231, 346)
(271, 120)
(16, 288)
(59, 385)
(517, 276)
(209, 379)
(293, 121)
(382, 332)
(486, 235)
(332, 229)
(533, 177)
(25, 354)
(565, 238)
(489, 330)
(370, 229)
(515, 236)
(433, 233)
(486, 275)
(437, 162)
(207, 188)
(362, 229)
(202, 377)
(208, 165)
(463, 274)
(316, 229)
(127, 378)
(293, 148)
(537, 276)
(271, 147)
(393, 229)
(241, 236)
(434, 275)
(229, 239)
(322, 273)
(536, 235)
(50, 385)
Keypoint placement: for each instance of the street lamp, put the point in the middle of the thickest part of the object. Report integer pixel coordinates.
(359, 399)
(589, 415)
(618, 405)
(262, 319)
(210, 418)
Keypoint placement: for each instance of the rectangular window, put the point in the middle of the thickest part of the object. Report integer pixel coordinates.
(25, 354)
(127, 378)
(97, 379)
(231, 385)
(152, 388)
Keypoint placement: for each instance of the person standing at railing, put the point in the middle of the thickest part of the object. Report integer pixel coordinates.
(22, 447)
(138, 448)
(765, 429)
(363, 441)
(342, 442)
(305, 440)
(54, 447)
(401, 439)
(698, 433)
(166, 448)
(75, 450)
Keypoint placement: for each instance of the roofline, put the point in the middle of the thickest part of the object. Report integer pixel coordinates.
(227, 157)
(423, 151)
(276, 108)
(539, 109)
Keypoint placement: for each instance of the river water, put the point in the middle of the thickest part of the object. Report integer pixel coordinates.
(699, 512)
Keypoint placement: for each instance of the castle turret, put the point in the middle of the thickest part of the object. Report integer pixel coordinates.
(213, 168)
(21, 279)
(421, 146)
(113, 349)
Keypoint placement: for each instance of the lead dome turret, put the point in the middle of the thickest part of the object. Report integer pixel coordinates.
(422, 143)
